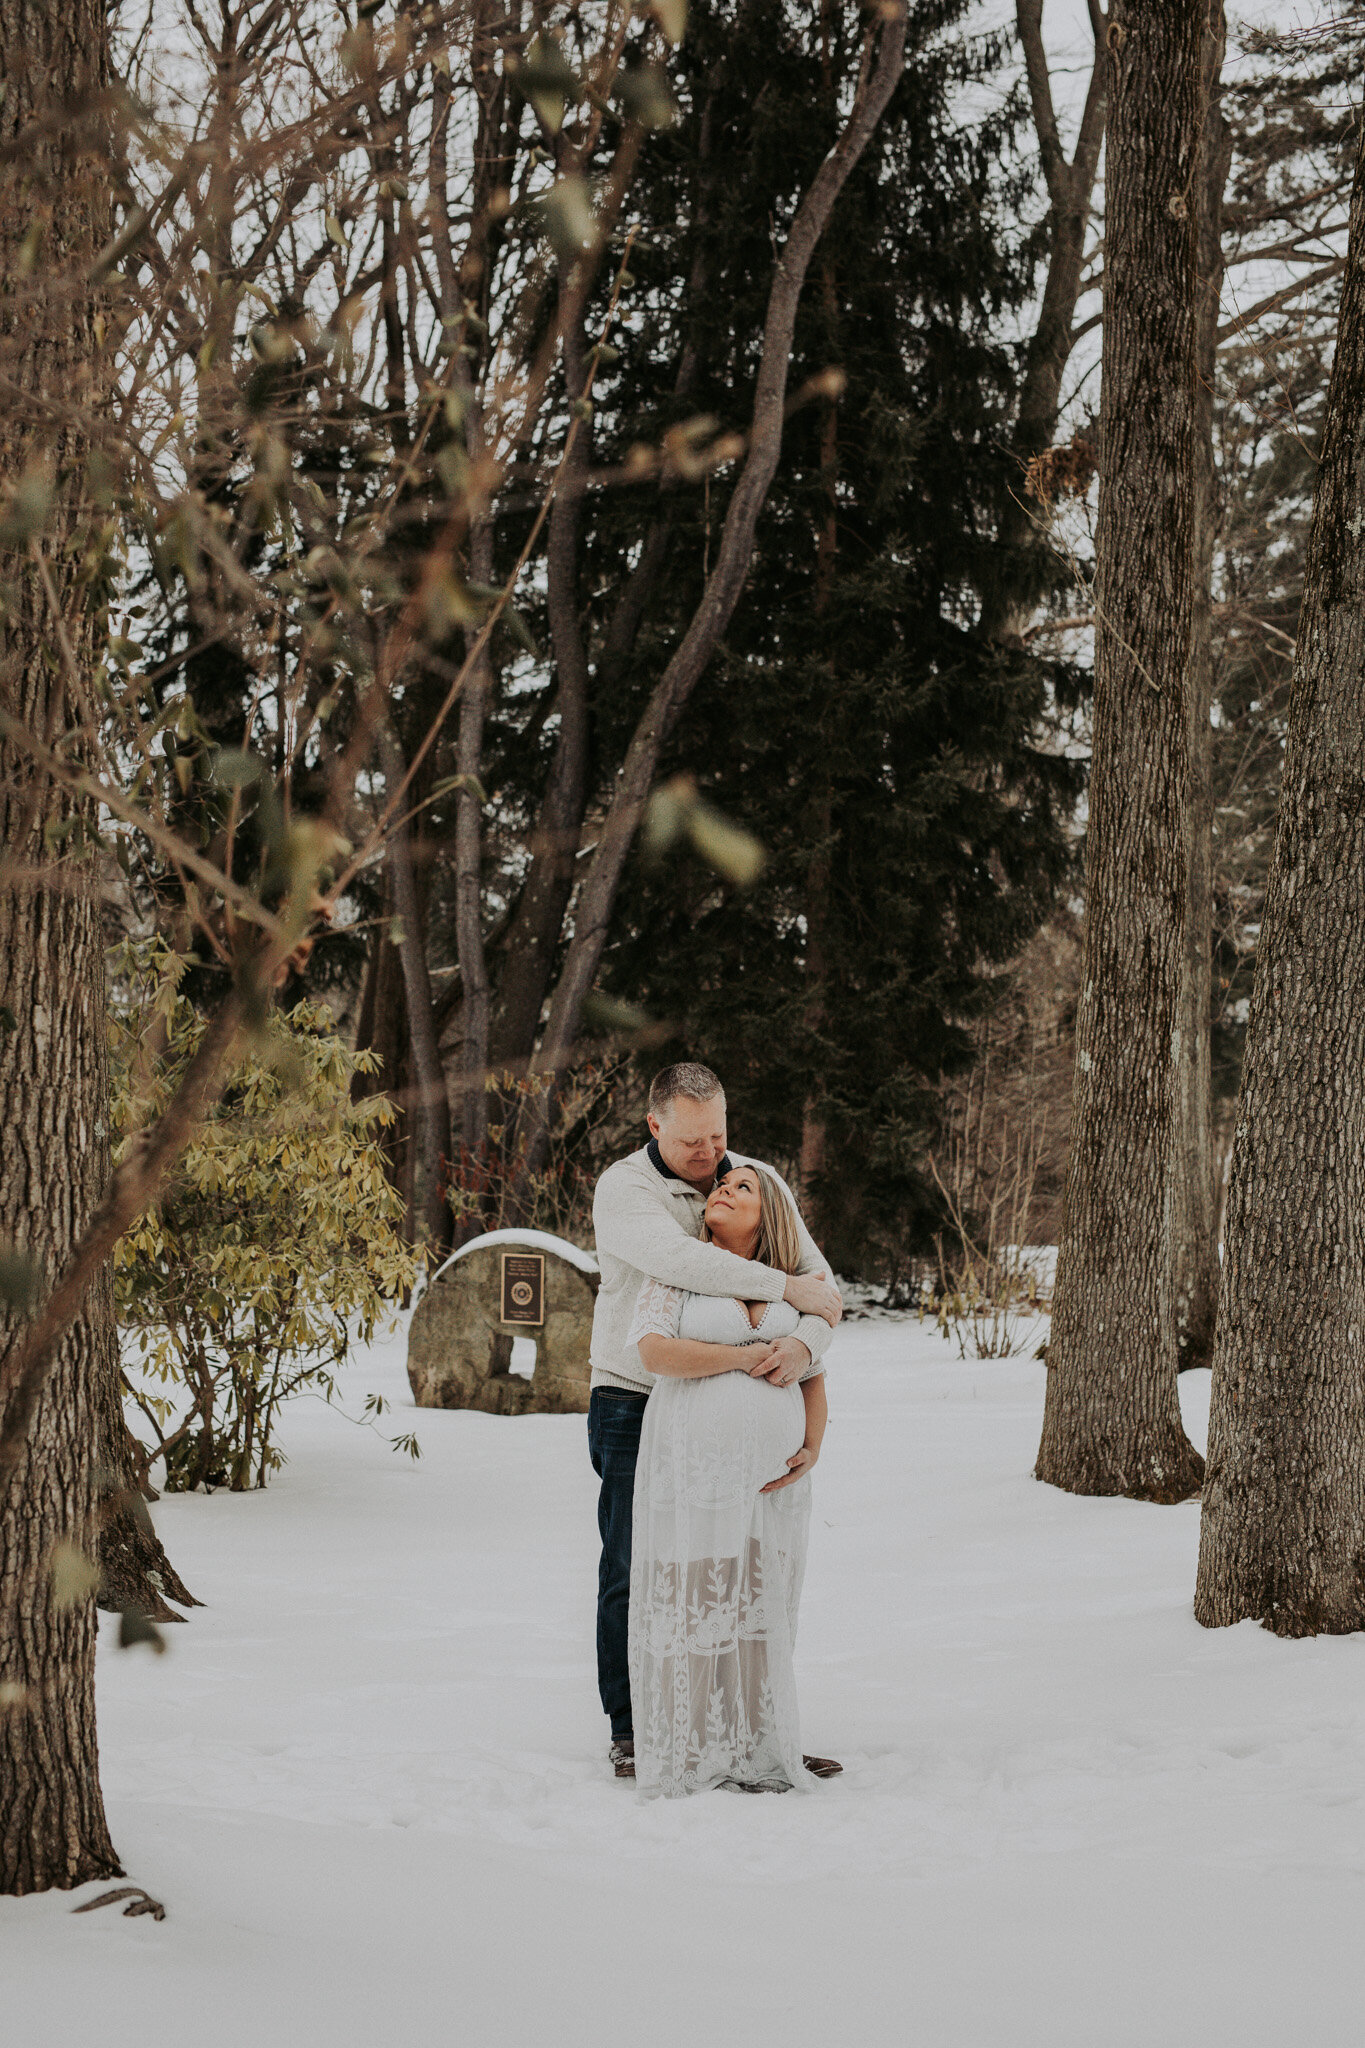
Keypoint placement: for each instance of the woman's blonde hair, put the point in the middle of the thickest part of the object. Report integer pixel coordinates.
(778, 1243)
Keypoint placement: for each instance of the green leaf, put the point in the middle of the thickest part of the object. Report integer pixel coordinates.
(74, 1577)
(469, 782)
(452, 466)
(136, 1627)
(671, 16)
(236, 769)
(728, 848)
(666, 815)
(547, 79)
(647, 96)
(20, 1276)
(567, 217)
(609, 1014)
(29, 248)
(675, 810)
(26, 509)
(514, 624)
(449, 604)
(689, 433)
(101, 479)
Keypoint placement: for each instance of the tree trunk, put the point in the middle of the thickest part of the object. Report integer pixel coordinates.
(1112, 1417)
(1283, 1532)
(1194, 1195)
(471, 948)
(471, 951)
(382, 1028)
(432, 1104)
(818, 877)
(135, 1571)
(54, 1078)
(54, 1161)
(1007, 607)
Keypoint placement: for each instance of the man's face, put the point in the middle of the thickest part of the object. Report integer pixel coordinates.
(691, 1137)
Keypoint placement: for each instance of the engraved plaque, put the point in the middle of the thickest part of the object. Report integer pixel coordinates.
(523, 1287)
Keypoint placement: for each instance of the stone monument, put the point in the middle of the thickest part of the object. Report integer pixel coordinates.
(507, 1284)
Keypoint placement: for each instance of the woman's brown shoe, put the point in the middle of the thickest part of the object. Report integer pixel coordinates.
(822, 1766)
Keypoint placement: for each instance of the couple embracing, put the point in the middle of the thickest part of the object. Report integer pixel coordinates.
(706, 1414)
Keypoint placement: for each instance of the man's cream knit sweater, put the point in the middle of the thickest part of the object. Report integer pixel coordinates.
(648, 1226)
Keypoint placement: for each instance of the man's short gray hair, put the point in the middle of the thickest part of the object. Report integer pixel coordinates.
(687, 1078)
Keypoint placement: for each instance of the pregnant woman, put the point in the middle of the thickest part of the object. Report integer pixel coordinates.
(722, 1509)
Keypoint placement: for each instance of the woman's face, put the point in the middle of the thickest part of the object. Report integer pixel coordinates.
(733, 1209)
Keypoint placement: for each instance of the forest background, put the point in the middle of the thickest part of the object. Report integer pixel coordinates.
(897, 711)
(858, 894)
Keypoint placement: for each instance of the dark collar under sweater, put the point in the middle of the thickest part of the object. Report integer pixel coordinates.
(656, 1160)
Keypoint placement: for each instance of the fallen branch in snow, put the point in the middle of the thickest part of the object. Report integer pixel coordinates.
(142, 1902)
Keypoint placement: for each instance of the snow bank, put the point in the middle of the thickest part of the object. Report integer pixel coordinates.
(370, 1781)
(538, 1240)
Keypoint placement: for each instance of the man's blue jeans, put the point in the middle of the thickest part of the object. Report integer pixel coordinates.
(614, 1419)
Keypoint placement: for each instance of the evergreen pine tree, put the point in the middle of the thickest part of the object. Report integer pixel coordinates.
(890, 760)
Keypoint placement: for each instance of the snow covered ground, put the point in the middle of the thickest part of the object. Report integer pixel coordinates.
(369, 1779)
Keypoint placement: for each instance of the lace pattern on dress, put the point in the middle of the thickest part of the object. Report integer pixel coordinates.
(658, 1312)
(716, 1566)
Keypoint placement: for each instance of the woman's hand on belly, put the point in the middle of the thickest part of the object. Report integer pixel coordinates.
(798, 1467)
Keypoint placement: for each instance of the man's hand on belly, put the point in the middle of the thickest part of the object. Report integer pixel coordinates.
(783, 1361)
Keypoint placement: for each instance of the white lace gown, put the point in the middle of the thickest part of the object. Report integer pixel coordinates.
(716, 1566)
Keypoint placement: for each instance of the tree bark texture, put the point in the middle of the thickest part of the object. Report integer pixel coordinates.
(382, 1028)
(471, 947)
(1007, 607)
(54, 1160)
(1112, 1416)
(471, 950)
(432, 1105)
(813, 1130)
(135, 1571)
(1282, 1537)
(1194, 1194)
(54, 1080)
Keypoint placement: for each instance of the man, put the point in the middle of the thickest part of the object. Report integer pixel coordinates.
(647, 1213)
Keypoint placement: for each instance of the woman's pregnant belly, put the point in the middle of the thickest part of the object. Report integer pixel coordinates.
(780, 1415)
(729, 1430)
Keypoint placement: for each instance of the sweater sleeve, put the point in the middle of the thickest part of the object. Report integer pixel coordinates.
(647, 1235)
